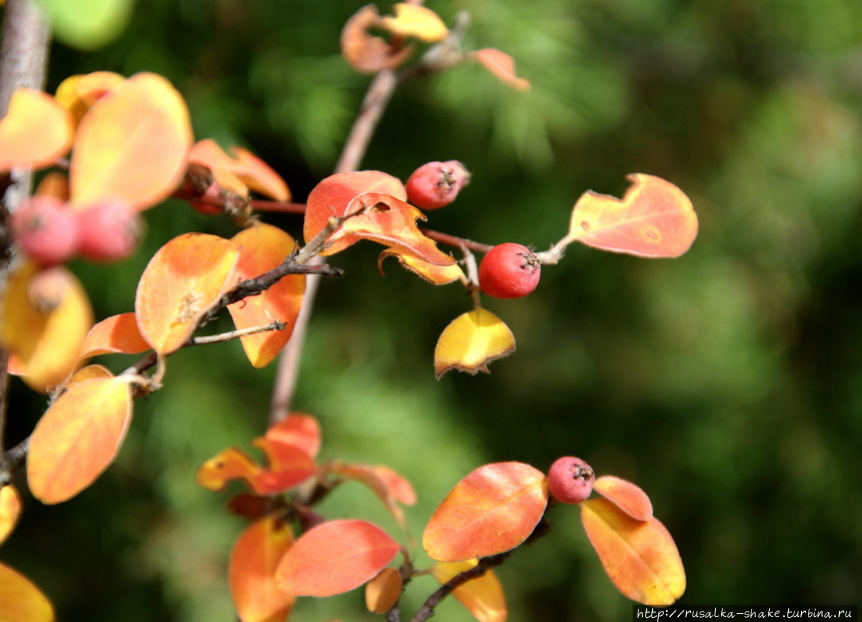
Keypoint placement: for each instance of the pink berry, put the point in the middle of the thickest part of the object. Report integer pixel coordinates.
(509, 271)
(45, 230)
(570, 480)
(110, 230)
(436, 184)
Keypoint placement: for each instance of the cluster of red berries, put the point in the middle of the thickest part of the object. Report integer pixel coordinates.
(49, 232)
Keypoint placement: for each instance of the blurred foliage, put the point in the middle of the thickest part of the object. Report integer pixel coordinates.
(725, 383)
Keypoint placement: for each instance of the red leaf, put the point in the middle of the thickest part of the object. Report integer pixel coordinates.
(78, 437)
(298, 430)
(251, 571)
(492, 510)
(640, 557)
(627, 497)
(334, 557)
(653, 219)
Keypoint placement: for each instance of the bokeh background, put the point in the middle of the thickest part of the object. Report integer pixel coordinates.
(726, 383)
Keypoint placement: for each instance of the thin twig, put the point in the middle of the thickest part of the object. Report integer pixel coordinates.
(236, 334)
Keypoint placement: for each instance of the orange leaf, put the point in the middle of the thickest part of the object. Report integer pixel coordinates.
(35, 131)
(132, 144)
(289, 466)
(21, 600)
(483, 596)
(335, 197)
(472, 341)
(334, 557)
(365, 52)
(228, 465)
(78, 437)
(184, 280)
(625, 495)
(45, 315)
(248, 168)
(79, 92)
(502, 66)
(88, 373)
(640, 557)
(251, 571)
(388, 485)
(492, 510)
(439, 275)
(383, 591)
(116, 334)
(653, 219)
(262, 248)
(298, 430)
(413, 20)
(10, 510)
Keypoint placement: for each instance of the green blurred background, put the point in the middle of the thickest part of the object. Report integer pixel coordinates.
(726, 383)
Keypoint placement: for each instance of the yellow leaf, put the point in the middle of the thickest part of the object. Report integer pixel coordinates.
(10, 510)
(383, 591)
(21, 600)
(35, 131)
(439, 275)
(45, 316)
(184, 280)
(78, 437)
(471, 341)
(483, 596)
(413, 20)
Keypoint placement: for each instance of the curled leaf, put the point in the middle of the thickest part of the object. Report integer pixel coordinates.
(493, 509)
(21, 600)
(383, 591)
(78, 437)
(132, 144)
(245, 166)
(388, 485)
(251, 571)
(472, 341)
(10, 510)
(653, 219)
(368, 53)
(181, 283)
(627, 496)
(639, 556)
(35, 131)
(439, 275)
(483, 596)
(502, 66)
(334, 557)
(228, 465)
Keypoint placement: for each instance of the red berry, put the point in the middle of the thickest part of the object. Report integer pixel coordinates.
(110, 230)
(570, 480)
(436, 184)
(45, 230)
(509, 271)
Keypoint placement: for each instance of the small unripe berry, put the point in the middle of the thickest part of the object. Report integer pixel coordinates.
(570, 479)
(45, 230)
(509, 271)
(109, 230)
(436, 184)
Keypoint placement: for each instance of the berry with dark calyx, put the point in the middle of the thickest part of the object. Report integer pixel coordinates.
(570, 479)
(436, 184)
(109, 230)
(509, 270)
(45, 230)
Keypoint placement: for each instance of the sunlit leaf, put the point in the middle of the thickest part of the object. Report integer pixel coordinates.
(388, 485)
(289, 466)
(251, 571)
(366, 52)
(248, 168)
(183, 280)
(35, 131)
(439, 275)
(21, 600)
(492, 510)
(640, 557)
(116, 334)
(414, 20)
(10, 510)
(262, 248)
(79, 92)
(383, 591)
(334, 197)
(78, 437)
(502, 66)
(45, 316)
(483, 596)
(472, 341)
(298, 430)
(89, 373)
(228, 465)
(132, 144)
(653, 219)
(334, 557)
(627, 496)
